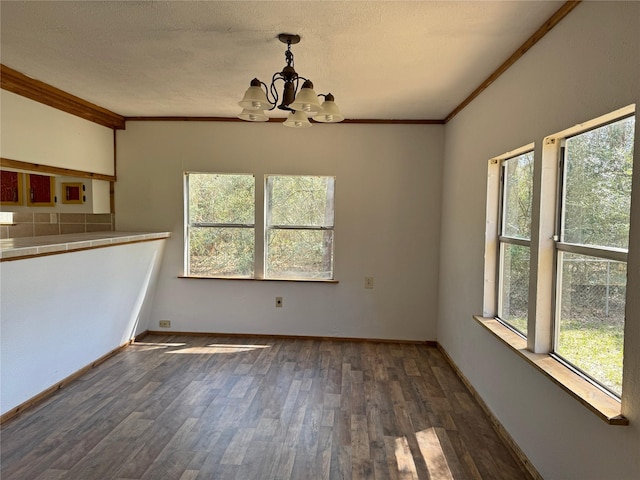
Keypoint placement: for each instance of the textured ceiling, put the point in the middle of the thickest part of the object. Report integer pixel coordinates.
(381, 60)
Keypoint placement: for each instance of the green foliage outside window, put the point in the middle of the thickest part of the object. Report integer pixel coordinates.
(299, 226)
(597, 194)
(300, 219)
(517, 201)
(598, 185)
(221, 217)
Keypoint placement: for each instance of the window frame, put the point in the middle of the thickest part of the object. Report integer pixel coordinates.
(260, 232)
(561, 247)
(188, 226)
(537, 348)
(503, 239)
(268, 226)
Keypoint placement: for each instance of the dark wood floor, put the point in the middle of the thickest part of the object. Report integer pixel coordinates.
(178, 407)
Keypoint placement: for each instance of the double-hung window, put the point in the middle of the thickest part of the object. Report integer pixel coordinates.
(299, 227)
(516, 178)
(220, 227)
(222, 238)
(591, 250)
(556, 249)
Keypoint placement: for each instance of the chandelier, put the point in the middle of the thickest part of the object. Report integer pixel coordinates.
(301, 104)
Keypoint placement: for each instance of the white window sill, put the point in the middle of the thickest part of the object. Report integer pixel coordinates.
(603, 405)
(305, 280)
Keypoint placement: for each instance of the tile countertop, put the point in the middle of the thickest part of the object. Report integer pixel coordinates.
(15, 248)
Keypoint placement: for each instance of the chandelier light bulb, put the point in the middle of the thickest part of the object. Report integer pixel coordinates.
(253, 115)
(330, 112)
(297, 119)
(254, 98)
(307, 100)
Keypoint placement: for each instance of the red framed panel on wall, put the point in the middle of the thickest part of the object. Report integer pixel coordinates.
(41, 190)
(72, 193)
(11, 188)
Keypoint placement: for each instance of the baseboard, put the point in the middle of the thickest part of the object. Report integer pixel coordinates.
(140, 336)
(428, 343)
(515, 450)
(54, 388)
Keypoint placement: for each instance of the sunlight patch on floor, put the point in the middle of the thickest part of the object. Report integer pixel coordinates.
(404, 459)
(433, 454)
(217, 349)
(145, 346)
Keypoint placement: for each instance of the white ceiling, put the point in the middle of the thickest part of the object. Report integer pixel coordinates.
(381, 60)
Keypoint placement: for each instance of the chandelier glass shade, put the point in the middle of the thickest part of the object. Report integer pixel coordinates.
(302, 103)
(297, 120)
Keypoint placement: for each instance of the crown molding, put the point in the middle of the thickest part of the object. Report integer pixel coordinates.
(16, 82)
(546, 27)
(280, 120)
(20, 84)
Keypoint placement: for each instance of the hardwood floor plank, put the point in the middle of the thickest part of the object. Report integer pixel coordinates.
(401, 463)
(189, 475)
(237, 448)
(193, 408)
(253, 464)
(52, 474)
(171, 465)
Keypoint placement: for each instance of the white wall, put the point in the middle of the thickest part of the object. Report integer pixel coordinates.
(387, 224)
(62, 312)
(586, 67)
(36, 133)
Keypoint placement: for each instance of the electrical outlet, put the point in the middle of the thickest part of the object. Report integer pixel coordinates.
(164, 323)
(279, 302)
(368, 282)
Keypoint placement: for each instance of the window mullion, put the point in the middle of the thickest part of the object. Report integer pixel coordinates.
(543, 229)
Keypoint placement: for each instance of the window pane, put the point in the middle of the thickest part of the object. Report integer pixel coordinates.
(518, 195)
(218, 198)
(221, 252)
(514, 286)
(598, 185)
(591, 316)
(300, 200)
(300, 254)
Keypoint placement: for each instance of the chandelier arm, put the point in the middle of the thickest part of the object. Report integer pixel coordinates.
(297, 80)
(274, 91)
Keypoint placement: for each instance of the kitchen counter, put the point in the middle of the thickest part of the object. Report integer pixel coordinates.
(28, 247)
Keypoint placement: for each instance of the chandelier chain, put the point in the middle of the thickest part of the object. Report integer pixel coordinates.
(288, 55)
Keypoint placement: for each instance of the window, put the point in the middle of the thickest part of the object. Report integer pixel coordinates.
(592, 248)
(556, 251)
(223, 240)
(220, 238)
(299, 227)
(516, 178)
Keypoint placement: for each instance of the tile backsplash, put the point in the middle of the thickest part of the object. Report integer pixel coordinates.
(34, 224)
